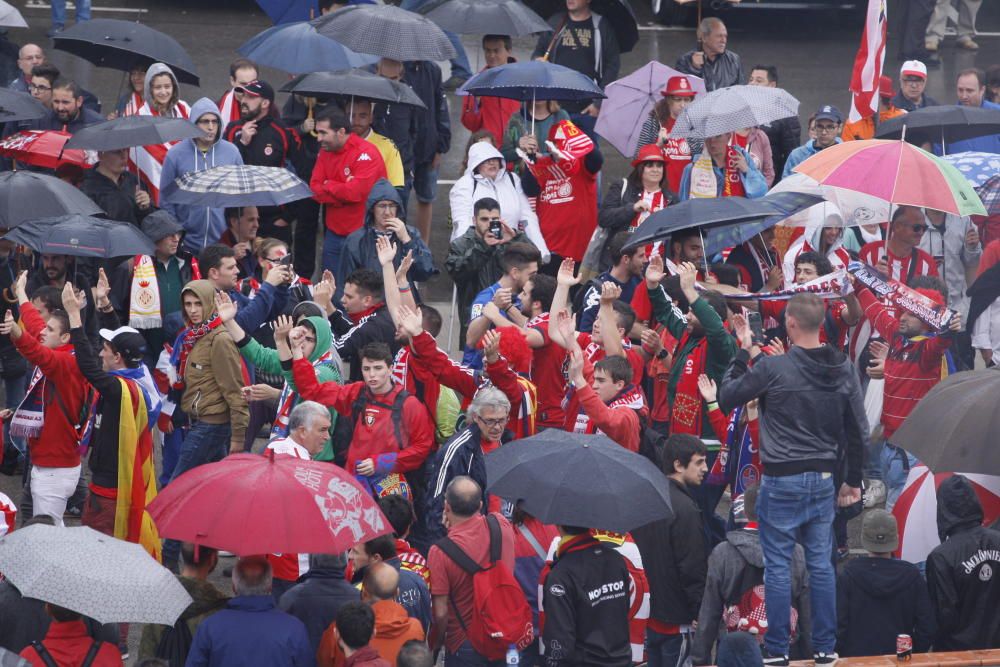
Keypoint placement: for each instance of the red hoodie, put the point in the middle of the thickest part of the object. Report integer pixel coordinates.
(342, 180)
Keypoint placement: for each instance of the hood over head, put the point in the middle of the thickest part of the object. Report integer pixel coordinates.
(205, 291)
(206, 106)
(160, 224)
(382, 190)
(324, 336)
(155, 70)
(747, 542)
(958, 507)
(391, 619)
(815, 236)
(480, 152)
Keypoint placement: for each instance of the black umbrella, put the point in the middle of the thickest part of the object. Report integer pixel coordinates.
(619, 12)
(129, 131)
(942, 124)
(122, 45)
(353, 83)
(485, 17)
(82, 236)
(29, 195)
(386, 31)
(15, 105)
(955, 427)
(579, 480)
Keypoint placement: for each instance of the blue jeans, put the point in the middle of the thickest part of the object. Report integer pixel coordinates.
(204, 443)
(333, 247)
(466, 656)
(667, 650)
(59, 12)
(895, 464)
(798, 508)
(171, 451)
(460, 66)
(872, 468)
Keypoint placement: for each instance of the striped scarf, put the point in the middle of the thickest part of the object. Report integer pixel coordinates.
(136, 476)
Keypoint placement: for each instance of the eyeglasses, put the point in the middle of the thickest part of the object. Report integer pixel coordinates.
(912, 80)
(39, 89)
(826, 128)
(491, 423)
(274, 260)
(919, 229)
(207, 121)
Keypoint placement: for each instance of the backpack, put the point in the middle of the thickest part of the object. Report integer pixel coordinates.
(651, 445)
(175, 644)
(500, 613)
(749, 612)
(49, 661)
(343, 430)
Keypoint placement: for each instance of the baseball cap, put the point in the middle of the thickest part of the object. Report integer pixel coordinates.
(257, 88)
(885, 87)
(913, 68)
(127, 342)
(648, 153)
(830, 112)
(678, 86)
(879, 533)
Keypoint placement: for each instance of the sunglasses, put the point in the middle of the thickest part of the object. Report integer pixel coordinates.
(919, 229)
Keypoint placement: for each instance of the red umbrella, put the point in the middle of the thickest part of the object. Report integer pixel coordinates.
(250, 504)
(42, 148)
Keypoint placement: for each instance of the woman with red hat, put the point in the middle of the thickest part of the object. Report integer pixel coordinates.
(677, 94)
(642, 192)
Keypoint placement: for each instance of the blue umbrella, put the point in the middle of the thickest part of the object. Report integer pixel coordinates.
(532, 80)
(81, 236)
(977, 168)
(719, 237)
(297, 48)
(289, 11)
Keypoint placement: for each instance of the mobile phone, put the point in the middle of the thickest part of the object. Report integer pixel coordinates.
(496, 229)
(286, 260)
(756, 327)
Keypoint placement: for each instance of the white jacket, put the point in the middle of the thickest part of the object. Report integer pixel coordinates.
(505, 188)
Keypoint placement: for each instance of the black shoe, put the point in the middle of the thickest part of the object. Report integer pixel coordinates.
(773, 660)
(454, 82)
(825, 659)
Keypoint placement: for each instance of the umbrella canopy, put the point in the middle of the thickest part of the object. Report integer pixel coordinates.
(10, 17)
(733, 108)
(955, 426)
(29, 195)
(354, 83)
(851, 208)
(15, 105)
(579, 480)
(989, 193)
(485, 17)
(941, 124)
(532, 80)
(122, 45)
(895, 171)
(109, 580)
(81, 236)
(251, 504)
(128, 131)
(237, 185)
(298, 48)
(916, 509)
(631, 99)
(976, 168)
(42, 148)
(722, 236)
(386, 31)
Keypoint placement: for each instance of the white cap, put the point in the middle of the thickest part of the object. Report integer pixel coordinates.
(913, 68)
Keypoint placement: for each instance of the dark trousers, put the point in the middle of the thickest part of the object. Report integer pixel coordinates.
(304, 237)
(914, 15)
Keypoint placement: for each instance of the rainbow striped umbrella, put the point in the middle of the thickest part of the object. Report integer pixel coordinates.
(895, 171)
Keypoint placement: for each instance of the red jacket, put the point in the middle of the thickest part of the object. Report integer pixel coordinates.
(57, 446)
(488, 113)
(912, 368)
(342, 181)
(68, 643)
(374, 433)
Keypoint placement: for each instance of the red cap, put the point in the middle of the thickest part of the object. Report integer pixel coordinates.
(648, 153)
(678, 86)
(885, 87)
(932, 294)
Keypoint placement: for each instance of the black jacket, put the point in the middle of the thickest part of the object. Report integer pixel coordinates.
(725, 70)
(349, 337)
(785, 136)
(607, 62)
(117, 199)
(616, 210)
(432, 125)
(877, 599)
(811, 409)
(274, 145)
(675, 559)
(963, 573)
(586, 602)
(474, 266)
(399, 123)
(316, 599)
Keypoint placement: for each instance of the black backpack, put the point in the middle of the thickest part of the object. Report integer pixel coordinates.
(175, 644)
(88, 660)
(343, 430)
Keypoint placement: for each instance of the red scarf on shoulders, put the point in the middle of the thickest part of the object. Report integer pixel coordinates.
(685, 414)
(733, 187)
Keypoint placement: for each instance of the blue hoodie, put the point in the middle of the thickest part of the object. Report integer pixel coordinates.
(203, 225)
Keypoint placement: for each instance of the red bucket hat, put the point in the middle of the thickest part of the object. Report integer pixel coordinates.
(678, 86)
(648, 153)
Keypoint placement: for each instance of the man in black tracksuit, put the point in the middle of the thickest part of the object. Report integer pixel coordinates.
(361, 319)
(674, 555)
(586, 601)
(963, 572)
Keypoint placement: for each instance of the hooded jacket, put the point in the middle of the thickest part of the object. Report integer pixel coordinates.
(360, 252)
(963, 572)
(432, 125)
(214, 374)
(316, 599)
(116, 199)
(811, 240)
(877, 599)
(393, 628)
(505, 188)
(727, 565)
(206, 599)
(203, 224)
(818, 409)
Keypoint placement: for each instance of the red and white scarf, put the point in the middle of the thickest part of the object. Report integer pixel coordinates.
(135, 103)
(704, 183)
(186, 341)
(630, 397)
(685, 414)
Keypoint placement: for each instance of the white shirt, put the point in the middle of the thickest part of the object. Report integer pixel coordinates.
(289, 447)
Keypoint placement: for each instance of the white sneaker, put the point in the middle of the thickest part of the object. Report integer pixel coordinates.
(825, 659)
(874, 493)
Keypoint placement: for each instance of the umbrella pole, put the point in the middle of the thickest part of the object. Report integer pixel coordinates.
(533, 92)
(767, 255)
(451, 320)
(944, 148)
(704, 254)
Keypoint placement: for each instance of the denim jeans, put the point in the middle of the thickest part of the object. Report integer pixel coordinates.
(170, 452)
(460, 63)
(895, 464)
(333, 247)
(59, 12)
(204, 443)
(872, 468)
(466, 656)
(798, 508)
(667, 650)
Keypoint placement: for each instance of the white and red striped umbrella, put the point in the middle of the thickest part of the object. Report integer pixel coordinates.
(916, 509)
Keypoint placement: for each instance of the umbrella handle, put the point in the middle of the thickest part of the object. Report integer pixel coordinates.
(310, 103)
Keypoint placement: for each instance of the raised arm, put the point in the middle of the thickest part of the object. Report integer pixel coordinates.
(87, 359)
(565, 279)
(609, 324)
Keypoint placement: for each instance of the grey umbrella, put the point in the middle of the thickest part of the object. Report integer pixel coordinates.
(386, 31)
(733, 108)
(15, 105)
(109, 580)
(28, 195)
(353, 83)
(129, 131)
(81, 236)
(485, 17)
(10, 17)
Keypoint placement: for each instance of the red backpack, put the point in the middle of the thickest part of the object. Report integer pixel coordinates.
(500, 613)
